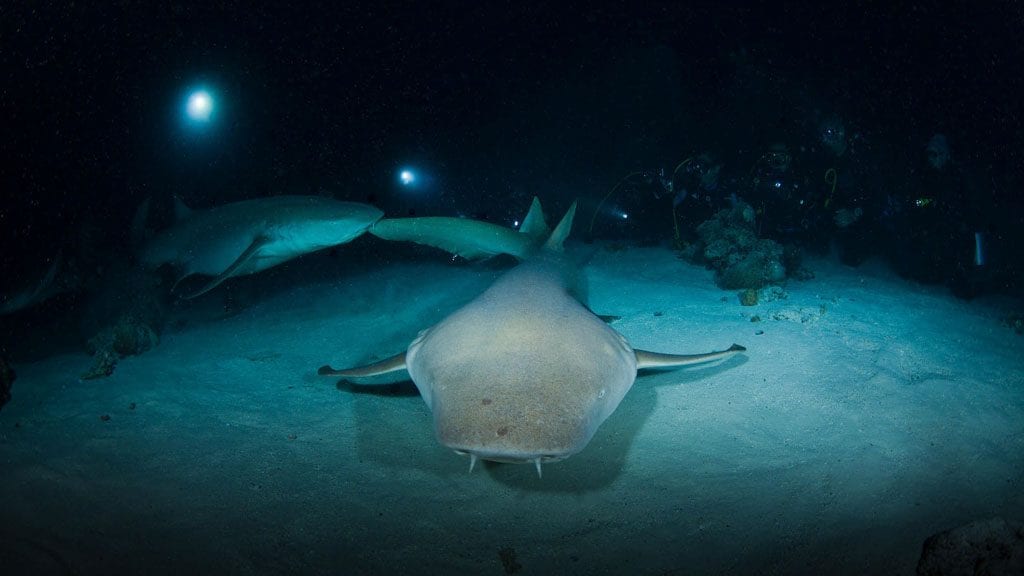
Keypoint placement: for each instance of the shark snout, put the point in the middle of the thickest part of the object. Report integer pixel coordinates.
(510, 426)
(511, 443)
(512, 457)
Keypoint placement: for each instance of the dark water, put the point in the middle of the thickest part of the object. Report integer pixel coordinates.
(885, 137)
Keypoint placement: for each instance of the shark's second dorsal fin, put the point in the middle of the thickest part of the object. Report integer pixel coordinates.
(535, 224)
(181, 211)
(561, 231)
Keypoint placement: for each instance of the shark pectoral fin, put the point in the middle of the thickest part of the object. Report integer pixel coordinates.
(392, 364)
(184, 275)
(645, 359)
(230, 271)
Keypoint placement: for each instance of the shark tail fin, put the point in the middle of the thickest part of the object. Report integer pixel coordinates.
(561, 232)
(535, 224)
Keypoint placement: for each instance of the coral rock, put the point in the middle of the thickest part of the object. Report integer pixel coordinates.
(992, 547)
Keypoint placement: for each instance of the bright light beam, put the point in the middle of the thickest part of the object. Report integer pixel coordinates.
(199, 106)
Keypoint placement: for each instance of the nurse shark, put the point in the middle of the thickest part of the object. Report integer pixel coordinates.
(524, 373)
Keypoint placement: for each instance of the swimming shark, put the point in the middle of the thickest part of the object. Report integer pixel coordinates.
(252, 235)
(468, 238)
(37, 291)
(525, 372)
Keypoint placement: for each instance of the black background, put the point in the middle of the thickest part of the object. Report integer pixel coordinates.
(496, 101)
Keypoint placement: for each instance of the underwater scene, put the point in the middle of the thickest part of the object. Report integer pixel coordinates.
(512, 288)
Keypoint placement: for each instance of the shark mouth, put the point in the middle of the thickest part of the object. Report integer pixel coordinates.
(535, 460)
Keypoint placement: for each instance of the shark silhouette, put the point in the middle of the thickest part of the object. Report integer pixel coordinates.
(252, 235)
(525, 372)
(37, 290)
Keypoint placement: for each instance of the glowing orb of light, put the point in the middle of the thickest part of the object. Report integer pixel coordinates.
(199, 106)
(407, 177)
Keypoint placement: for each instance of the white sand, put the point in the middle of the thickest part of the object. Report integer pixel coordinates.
(870, 414)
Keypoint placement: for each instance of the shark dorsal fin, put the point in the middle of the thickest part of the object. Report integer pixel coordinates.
(181, 211)
(561, 231)
(535, 224)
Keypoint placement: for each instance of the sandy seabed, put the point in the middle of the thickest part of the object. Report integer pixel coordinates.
(867, 414)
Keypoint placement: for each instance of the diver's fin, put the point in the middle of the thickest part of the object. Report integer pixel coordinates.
(228, 272)
(645, 359)
(392, 364)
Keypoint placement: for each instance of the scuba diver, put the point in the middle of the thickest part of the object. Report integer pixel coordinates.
(821, 196)
(696, 190)
(691, 191)
(938, 225)
(789, 202)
